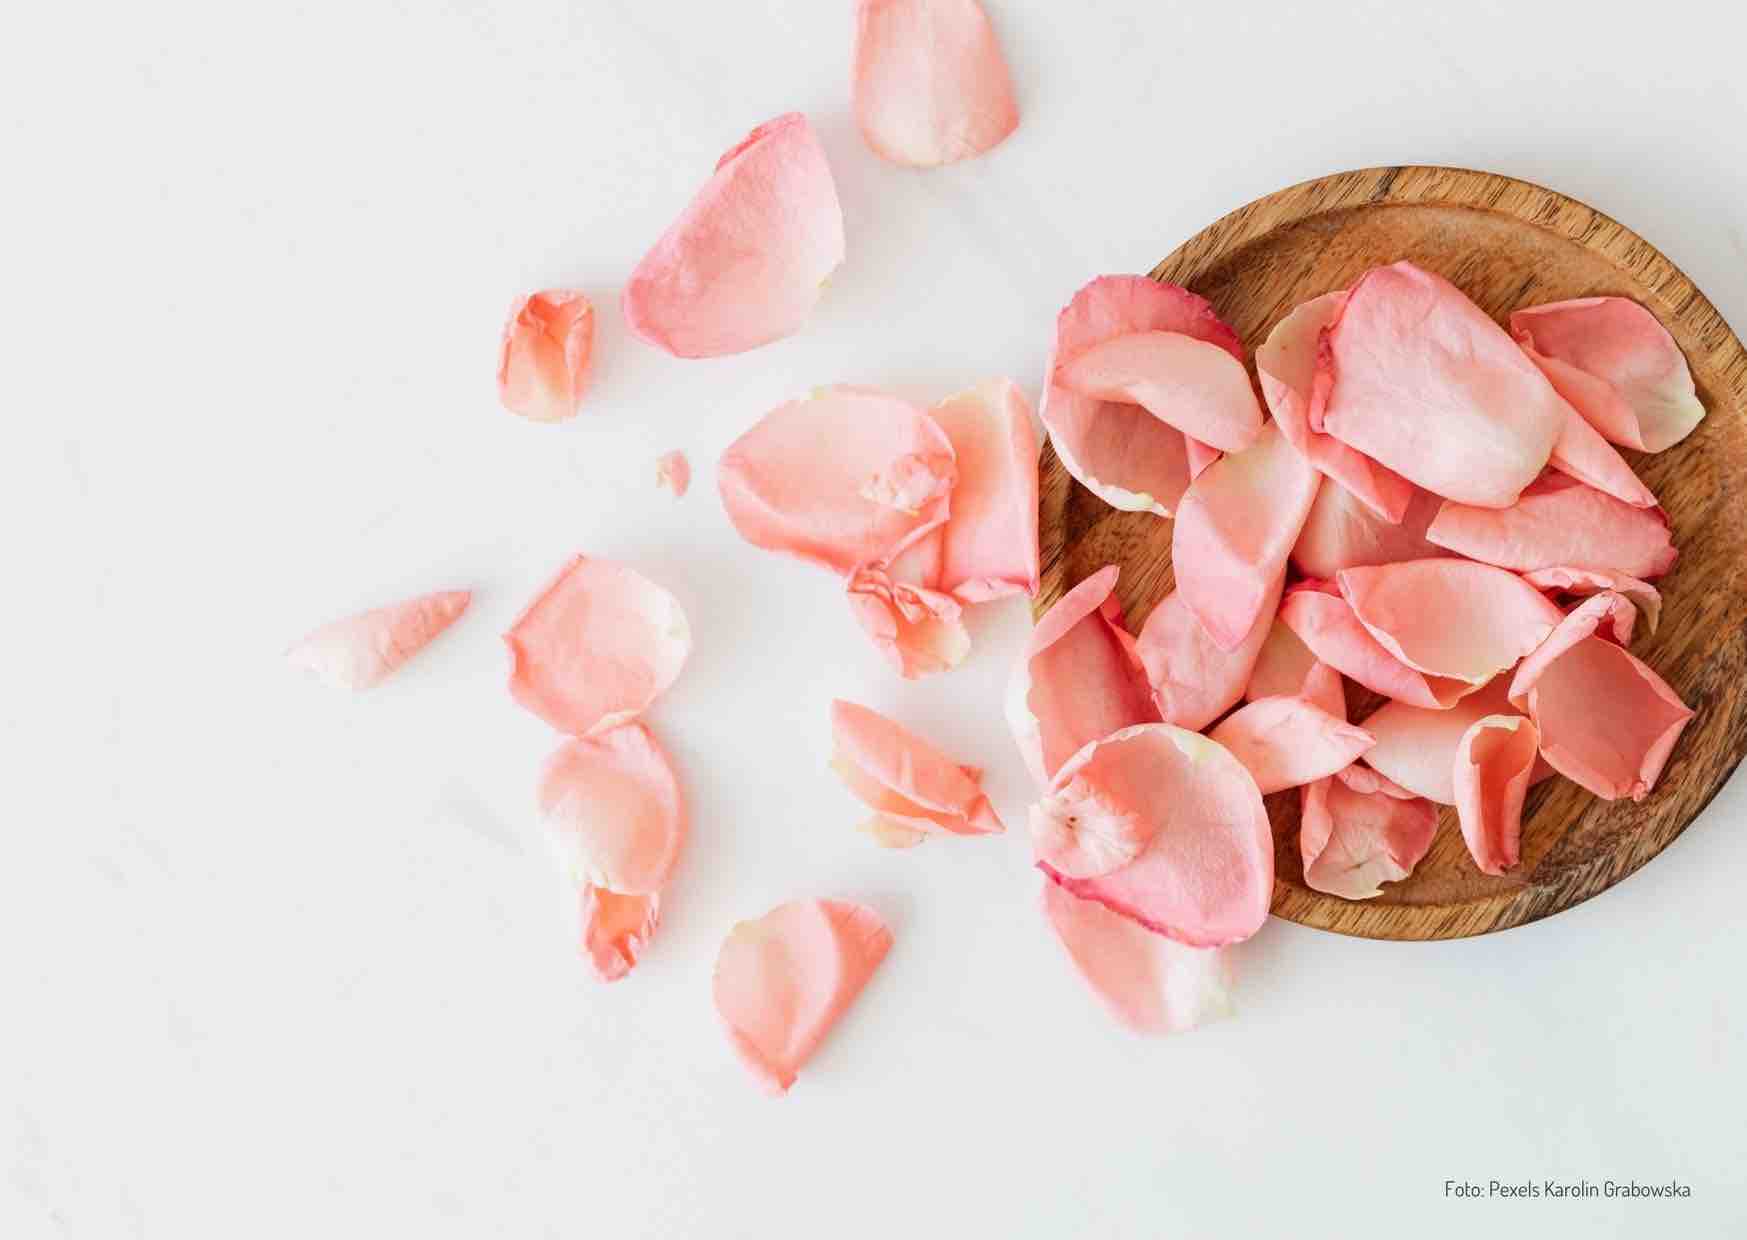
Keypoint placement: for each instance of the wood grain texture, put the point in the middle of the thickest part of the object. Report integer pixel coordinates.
(1506, 244)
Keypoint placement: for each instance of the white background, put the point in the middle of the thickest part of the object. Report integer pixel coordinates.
(283, 962)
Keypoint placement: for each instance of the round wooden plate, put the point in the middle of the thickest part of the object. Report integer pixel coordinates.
(1506, 244)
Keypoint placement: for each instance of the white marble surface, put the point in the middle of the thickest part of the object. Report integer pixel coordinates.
(279, 962)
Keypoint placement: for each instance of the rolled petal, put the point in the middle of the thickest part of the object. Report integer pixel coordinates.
(930, 85)
(1559, 521)
(674, 472)
(1583, 454)
(784, 980)
(596, 647)
(1206, 875)
(847, 476)
(1450, 618)
(1080, 678)
(1356, 835)
(1494, 761)
(1324, 621)
(1193, 681)
(1234, 529)
(744, 263)
(1418, 378)
(989, 545)
(1286, 742)
(612, 810)
(1568, 581)
(1196, 386)
(1120, 452)
(1342, 532)
(364, 650)
(920, 631)
(615, 929)
(1416, 748)
(905, 780)
(1149, 983)
(1617, 366)
(543, 362)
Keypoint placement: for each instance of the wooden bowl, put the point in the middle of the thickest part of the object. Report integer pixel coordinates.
(1506, 244)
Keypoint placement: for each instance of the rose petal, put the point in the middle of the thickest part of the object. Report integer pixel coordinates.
(1196, 386)
(809, 478)
(1607, 614)
(612, 810)
(909, 782)
(744, 262)
(1494, 760)
(615, 929)
(930, 85)
(1234, 528)
(1617, 366)
(1149, 983)
(1418, 378)
(783, 981)
(1566, 580)
(1286, 742)
(1206, 875)
(989, 545)
(1559, 521)
(1193, 681)
(920, 631)
(1449, 618)
(596, 647)
(1080, 678)
(543, 361)
(1354, 837)
(1198, 456)
(1341, 532)
(674, 472)
(1282, 664)
(1416, 748)
(1324, 621)
(364, 650)
(1120, 452)
(1581, 453)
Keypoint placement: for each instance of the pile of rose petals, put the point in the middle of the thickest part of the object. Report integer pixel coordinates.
(1435, 511)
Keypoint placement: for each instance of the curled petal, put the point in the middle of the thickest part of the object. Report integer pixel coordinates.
(612, 810)
(988, 547)
(616, 928)
(1286, 742)
(543, 362)
(1234, 529)
(1149, 983)
(1193, 681)
(364, 650)
(1196, 386)
(674, 472)
(920, 631)
(821, 478)
(1206, 873)
(1566, 580)
(1559, 521)
(596, 647)
(1607, 614)
(930, 85)
(1079, 679)
(744, 262)
(1324, 622)
(1356, 835)
(1341, 532)
(1581, 453)
(1416, 748)
(1418, 378)
(1494, 761)
(1617, 366)
(908, 782)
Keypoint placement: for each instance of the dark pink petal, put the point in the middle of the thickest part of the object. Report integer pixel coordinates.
(1560, 521)
(1565, 580)
(920, 631)
(1355, 836)
(1341, 532)
(906, 781)
(544, 359)
(615, 929)
(1286, 742)
(1494, 761)
(612, 809)
(930, 85)
(1325, 623)
(1194, 682)
(1196, 386)
(989, 545)
(362, 651)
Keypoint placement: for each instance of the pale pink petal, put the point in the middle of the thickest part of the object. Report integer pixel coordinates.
(1355, 835)
(989, 545)
(1120, 452)
(1079, 679)
(1617, 366)
(1206, 875)
(1286, 365)
(744, 262)
(612, 810)
(1416, 748)
(544, 359)
(615, 929)
(920, 631)
(784, 980)
(930, 86)
(1581, 453)
(1196, 386)
(1341, 532)
(1606, 614)
(674, 472)
(811, 477)
(1151, 984)
(1449, 618)
(596, 647)
(1560, 521)
(364, 650)
(1418, 378)
(1494, 760)
(1286, 742)
(1324, 621)
(1364, 779)
(1198, 456)
(1234, 529)
(1566, 580)
(1194, 682)
(1283, 663)
(907, 781)
(890, 832)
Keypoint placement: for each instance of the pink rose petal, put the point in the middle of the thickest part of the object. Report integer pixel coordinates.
(1416, 748)
(989, 545)
(784, 980)
(1324, 622)
(1194, 682)
(743, 264)
(930, 85)
(674, 472)
(544, 359)
(613, 811)
(908, 782)
(1560, 521)
(1356, 835)
(920, 631)
(1286, 742)
(845, 477)
(1494, 761)
(1198, 456)
(362, 651)
(1283, 664)
(1149, 983)
(1581, 453)
(1566, 580)
(1341, 532)
(1195, 385)
(1606, 614)
(615, 929)
(596, 647)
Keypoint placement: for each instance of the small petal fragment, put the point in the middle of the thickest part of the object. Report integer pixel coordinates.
(612, 810)
(1355, 835)
(362, 651)
(908, 782)
(543, 362)
(615, 929)
(783, 981)
(1149, 983)
(1341, 532)
(744, 262)
(1416, 748)
(596, 647)
(1286, 742)
(1494, 761)
(1560, 521)
(1584, 582)
(930, 85)
(1199, 456)
(989, 545)
(1196, 386)
(1324, 621)
(920, 631)
(1194, 682)
(674, 472)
